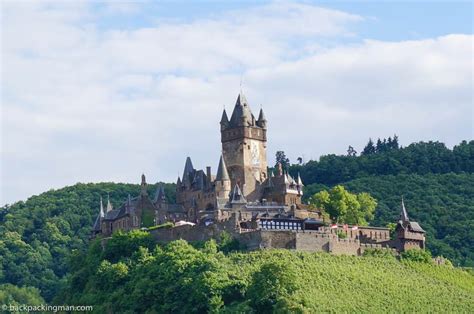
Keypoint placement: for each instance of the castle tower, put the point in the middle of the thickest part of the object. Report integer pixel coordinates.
(244, 147)
(410, 235)
(223, 186)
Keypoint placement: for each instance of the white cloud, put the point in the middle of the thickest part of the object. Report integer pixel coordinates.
(82, 103)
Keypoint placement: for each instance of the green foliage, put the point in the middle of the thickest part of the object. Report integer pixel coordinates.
(383, 253)
(123, 244)
(280, 158)
(443, 204)
(345, 207)
(341, 234)
(227, 243)
(163, 225)
(179, 278)
(273, 287)
(418, 158)
(13, 295)
(417, 255)
(39, 236)
(392, 226)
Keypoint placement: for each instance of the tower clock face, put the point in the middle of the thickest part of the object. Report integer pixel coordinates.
(255, 153)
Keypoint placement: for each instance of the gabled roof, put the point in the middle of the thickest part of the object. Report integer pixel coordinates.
(415, 227)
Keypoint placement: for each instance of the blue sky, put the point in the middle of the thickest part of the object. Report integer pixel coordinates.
(103, 91)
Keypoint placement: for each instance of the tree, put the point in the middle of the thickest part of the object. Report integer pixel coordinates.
(351, 151)
(273, 287)
(379, 146)
(417, 255)
(369, 149)
(282, 159)
(345, 207)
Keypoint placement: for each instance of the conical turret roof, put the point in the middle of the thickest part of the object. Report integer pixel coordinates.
(241, 113)
(222, 174)
(224, 119)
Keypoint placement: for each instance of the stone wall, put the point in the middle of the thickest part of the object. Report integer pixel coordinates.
(310, 241)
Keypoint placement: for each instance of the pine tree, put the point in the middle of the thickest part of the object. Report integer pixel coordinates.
(369, 149)
(378, 146)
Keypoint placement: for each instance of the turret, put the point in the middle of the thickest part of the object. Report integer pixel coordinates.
(160, 194)
(299, 185)
(241, 116)
(143, 186)
(262, 122)
(188, 171)
(109, 206)
(222, 181)
(224, 120)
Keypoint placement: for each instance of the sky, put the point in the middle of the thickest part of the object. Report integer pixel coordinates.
(105, 91)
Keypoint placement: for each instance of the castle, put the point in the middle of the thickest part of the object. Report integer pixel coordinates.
(260, 209)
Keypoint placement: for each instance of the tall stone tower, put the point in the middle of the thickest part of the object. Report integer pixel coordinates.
(244, 148)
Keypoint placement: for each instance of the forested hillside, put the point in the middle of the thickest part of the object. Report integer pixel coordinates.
(436, 182)
(37, 236)
(418, 158)
(178, 278)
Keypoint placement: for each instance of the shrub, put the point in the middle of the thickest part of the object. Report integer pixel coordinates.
(417, 255)
(384, 253)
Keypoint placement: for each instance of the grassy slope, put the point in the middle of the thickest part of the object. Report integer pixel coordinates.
(348, 283)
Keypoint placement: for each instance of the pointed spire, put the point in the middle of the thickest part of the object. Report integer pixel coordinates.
(262, 122)
(241, 114)
(129, 200)
(299, 182)
(160, 193)
(287, 181)
(109, 206)
(237, 196)
(290, 178)
(224, 119)
(178, 183)
(403, 213)
(143, 186)
(222, 174)
(101, 212)
(271, 174)
(188, 167)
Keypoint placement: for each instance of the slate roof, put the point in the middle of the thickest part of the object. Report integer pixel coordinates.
(415, 227)
(222, 173)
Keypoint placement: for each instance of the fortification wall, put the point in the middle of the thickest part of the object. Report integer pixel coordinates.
(313, 241)
(278, 239)
(310, 241)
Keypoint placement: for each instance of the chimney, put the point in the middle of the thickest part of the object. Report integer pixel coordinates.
(208, 174)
